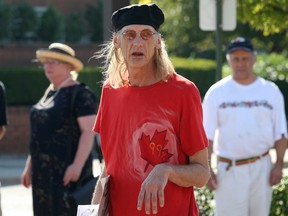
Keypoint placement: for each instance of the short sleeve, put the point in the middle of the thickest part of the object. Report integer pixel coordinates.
(86, 102)
(192, 134)
(280, 126)
(97, 123)
(210, 116)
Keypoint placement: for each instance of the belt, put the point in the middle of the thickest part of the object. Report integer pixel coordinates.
(241, 161)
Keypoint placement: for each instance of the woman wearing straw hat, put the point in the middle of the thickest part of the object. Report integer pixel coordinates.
(3, 121)
(61, 135)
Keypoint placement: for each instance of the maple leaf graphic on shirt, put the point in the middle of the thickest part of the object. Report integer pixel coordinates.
(153, 150)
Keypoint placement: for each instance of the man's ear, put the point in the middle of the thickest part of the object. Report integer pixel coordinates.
(228, 59)
(158, 42)
(116, 41)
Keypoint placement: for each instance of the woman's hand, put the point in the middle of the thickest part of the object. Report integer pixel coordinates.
(26, 175)
(72, 174)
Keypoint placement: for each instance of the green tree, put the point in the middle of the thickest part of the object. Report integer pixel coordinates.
(51, 25)
(269, 16)
(74, 27)
(184, 38)
(23, 21)
(94, 18)
(5, 20)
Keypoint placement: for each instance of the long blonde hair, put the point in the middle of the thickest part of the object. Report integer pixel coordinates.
(115, 69)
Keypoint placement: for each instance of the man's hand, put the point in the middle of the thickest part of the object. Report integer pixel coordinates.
(152, 189)
(275, 175)
(212, 183)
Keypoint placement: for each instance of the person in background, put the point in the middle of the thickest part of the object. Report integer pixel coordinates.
(3, 120)
(150, 122)
(244, 117)
(61, 135)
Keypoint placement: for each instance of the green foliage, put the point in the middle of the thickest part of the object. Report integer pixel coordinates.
(271, 66)
(74, 27)
(181, 29)
(279, 205)
(269, 16)
(199, 71)
(189, 63)
(5, 20)
(205, 200)
(23, 21)
(25, 86)
(94, 18)
(19, 22)
(184, 38)
(51, 25)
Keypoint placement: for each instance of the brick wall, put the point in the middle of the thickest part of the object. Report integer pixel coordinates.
(17, 137)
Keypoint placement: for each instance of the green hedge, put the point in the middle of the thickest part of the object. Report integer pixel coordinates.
(200, 71)
(279, 206)
(25, 86)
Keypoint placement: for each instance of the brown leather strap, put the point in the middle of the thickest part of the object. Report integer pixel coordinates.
(241, 161)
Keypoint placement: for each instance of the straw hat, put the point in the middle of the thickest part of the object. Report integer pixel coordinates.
(60, 52)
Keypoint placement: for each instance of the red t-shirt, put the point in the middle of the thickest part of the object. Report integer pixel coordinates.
(142, 126)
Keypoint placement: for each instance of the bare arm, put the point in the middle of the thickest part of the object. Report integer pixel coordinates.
(26, 175)
(84, 148)
(276, 173)
(196, 173)
(212, 183)
(2, 131)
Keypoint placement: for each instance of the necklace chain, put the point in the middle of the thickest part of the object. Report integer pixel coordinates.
(44, 101)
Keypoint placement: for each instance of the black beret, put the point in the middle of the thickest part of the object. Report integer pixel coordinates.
(141, 14)
(240, 43)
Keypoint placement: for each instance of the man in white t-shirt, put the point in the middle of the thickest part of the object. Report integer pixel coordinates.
(244, 117)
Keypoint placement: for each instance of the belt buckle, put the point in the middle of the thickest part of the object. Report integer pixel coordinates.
(230, 164)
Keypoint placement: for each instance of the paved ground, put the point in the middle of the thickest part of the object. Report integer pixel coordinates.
(17, 200)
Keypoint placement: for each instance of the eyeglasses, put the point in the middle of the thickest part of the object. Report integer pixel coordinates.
(145, 34)
(51, 62)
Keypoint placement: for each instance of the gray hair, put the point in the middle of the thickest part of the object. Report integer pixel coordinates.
(115, 69)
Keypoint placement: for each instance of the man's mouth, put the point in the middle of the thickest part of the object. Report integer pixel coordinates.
(137, 54)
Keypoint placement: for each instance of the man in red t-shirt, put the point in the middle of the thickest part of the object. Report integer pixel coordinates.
(149, 121)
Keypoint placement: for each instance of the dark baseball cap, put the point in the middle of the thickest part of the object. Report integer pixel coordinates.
(142, 14)
(240, 43)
